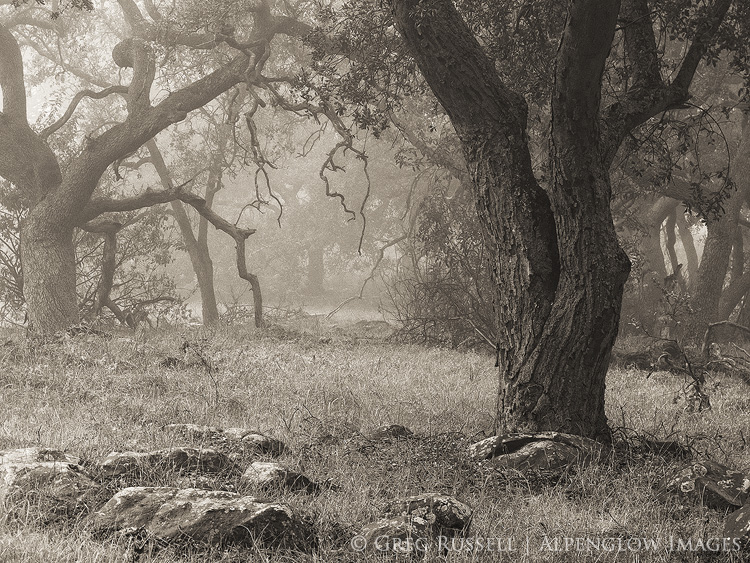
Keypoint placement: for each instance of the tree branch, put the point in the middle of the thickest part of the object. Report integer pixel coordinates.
(138, 55)
(46, 132)
(640, 44)
(647, 99)
(11, 77)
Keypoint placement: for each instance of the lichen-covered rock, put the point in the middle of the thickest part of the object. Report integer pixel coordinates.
(51, 482)
(168, 514)
(204, 482)
(543, 455)
(35, 455)
(390, 431)
(399, 534)
(270, 475)
(441, 511)
(187, 459)
(541, 450)
(711, 483)
(248, 438)
(737, 526)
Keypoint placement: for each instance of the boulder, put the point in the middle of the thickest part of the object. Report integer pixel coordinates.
(49, 481)
(443, 512)
(270, 475)
(168, 514)
(389, 431)
(248, 438)
(737, 527)
(540, 451)
(187, 459)
(711, 483)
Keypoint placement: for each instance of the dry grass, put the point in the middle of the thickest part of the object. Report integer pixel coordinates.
(319, 391)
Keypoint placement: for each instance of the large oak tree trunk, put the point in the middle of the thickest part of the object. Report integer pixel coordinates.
(48, 259)
(557, 266)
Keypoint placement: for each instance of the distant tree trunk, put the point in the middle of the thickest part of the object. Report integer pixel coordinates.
(202, 265)
(744, 317)
(653, 270)
(686, 237)
(712, 271)
(671, 239)
(197, 247)
(315, 269)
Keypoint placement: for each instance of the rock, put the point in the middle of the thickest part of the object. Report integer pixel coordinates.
(737, 527)
(50, 481)
(120, 463)
(265, 474)
(390, 431)
(208, 460)
(713, 484)
(249, 438)
(400, 534)
(263, 444)
(35, 455)
(542, 450)
(195, 430)
(441, 511)
(168, 514)
(199, 482)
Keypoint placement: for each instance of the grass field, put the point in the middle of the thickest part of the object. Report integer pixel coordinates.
(319, 390)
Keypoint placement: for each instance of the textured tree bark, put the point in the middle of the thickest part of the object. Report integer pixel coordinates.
(48, 260)
(557, 264)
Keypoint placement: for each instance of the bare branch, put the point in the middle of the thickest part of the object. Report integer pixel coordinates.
(381, 255)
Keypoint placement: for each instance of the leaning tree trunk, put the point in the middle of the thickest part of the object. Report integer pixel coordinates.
(557, 265)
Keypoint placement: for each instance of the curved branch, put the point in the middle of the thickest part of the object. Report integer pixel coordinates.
(46, 132)
(136, 54)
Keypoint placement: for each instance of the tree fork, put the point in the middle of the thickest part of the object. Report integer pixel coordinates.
(558, 266)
